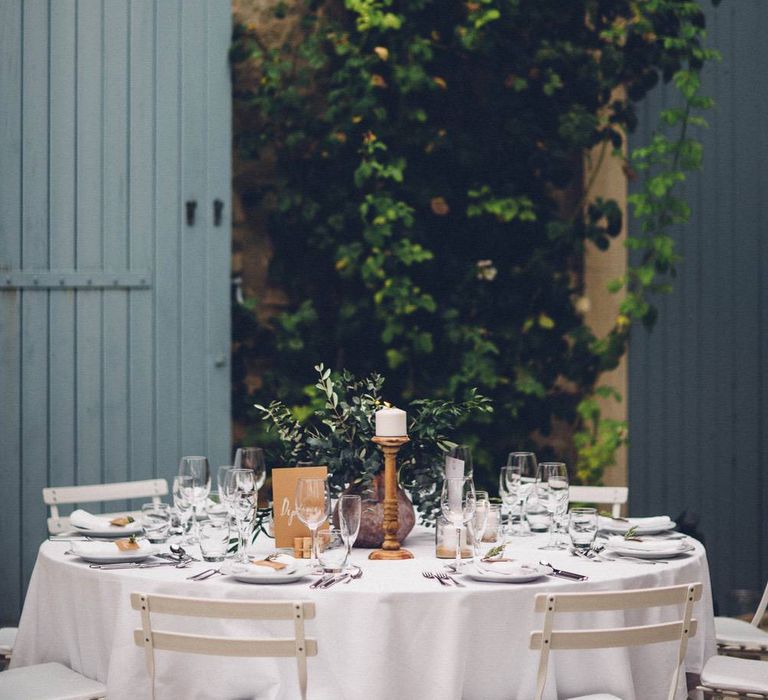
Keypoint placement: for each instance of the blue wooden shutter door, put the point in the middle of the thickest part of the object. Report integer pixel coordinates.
(114, 309)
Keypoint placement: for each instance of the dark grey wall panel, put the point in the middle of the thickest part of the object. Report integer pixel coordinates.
(698, 397)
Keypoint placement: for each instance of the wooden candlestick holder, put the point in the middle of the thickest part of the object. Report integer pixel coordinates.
(390, 548)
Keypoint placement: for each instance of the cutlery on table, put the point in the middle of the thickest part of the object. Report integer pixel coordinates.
(323, 579)
(433, 575)
(204, 575)
(562, 573)
(356, 575)
(444, 575)
(334, 580)
(140, 565)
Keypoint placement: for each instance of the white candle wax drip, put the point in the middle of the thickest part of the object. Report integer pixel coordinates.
(391, 422)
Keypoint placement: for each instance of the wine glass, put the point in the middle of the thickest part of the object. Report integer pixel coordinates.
(252, 458)
(182, 488)
(240, 491)
(457, 502)
(312, 503)
(350, 512)
(557, 480)
(197, 467)
(528, 468)
(508, 492)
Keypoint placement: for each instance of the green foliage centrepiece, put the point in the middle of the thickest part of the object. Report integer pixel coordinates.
(424, 190)
(339, 435)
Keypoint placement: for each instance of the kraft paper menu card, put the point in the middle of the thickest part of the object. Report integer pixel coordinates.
(287, 523)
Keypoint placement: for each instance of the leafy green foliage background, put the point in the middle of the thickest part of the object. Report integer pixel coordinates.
(427, 206)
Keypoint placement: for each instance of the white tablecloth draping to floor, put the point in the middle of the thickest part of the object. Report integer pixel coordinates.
(391, 634)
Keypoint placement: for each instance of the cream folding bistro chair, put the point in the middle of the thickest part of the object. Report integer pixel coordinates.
(49, 681)
(549, 639)
(741, 638)
(730, 677)
(7, 640)
(55, 496)
(614, 496)
(297, 645)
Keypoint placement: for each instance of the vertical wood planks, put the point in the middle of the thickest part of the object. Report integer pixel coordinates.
(219, 237)
(105, 131)
(11, 23)
(34, 255)
(90, 254)
(61, 356)
(698, 397)
(116, 128)
(194, 339)
(141, 186)
(168, 232)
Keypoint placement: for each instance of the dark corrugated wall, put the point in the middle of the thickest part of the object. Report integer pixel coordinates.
(698, 393)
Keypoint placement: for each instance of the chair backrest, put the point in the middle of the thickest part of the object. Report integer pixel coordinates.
(760, 612)
(614, 496)
(678, 630)
(297, 645)
(53, 496)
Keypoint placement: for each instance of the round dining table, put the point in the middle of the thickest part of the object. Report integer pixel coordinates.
(391, 634)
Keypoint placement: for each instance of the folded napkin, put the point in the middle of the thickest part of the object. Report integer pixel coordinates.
(645, 545)
(507, 568)
(282, 564)
(108, 548)
(87, 521)
(658, 521)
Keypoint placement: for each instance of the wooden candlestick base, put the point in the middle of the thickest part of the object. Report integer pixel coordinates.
(390, 548)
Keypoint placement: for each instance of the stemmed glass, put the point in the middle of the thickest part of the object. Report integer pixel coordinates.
(525, 469)
(252, 458)
(240, 493)
(350, 512)
(182, 488)
(457, 501)
(198, 469)
(508, 492)
(312, 503)
(557, 479)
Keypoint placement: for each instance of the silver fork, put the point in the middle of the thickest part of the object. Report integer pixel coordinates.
(445, 576)
(433, 575)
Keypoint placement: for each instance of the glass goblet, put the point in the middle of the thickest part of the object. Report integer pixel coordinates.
(312, 503)
(457, 502)
(350, 513)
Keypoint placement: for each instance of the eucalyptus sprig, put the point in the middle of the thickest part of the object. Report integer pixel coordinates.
(338, 433)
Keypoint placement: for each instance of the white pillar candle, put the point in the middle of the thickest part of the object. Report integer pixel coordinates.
(391, 422)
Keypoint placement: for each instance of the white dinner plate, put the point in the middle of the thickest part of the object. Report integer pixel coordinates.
(675, 549)
(530, 572)
(108, 553)
(254, 573)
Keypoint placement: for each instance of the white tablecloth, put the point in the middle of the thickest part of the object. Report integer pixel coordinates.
(391, 634)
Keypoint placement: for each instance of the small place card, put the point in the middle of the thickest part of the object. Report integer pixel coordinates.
(287, 523)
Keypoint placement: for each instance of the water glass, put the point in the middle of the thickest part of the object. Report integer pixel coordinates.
(156, 521)
(493, 524)
(313, 505)
(214, 539)
(525, 471)
(182, 488)
(582, 527)
(332, 550)
(216, 508)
